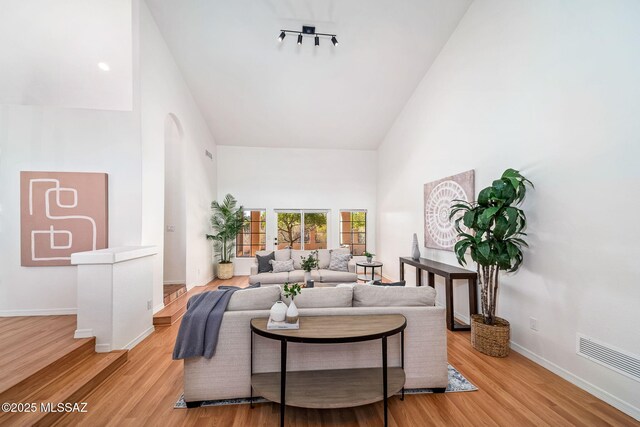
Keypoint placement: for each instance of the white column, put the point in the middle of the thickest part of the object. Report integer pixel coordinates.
(115, 294)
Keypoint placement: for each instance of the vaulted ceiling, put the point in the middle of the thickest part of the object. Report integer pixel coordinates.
(255, 91)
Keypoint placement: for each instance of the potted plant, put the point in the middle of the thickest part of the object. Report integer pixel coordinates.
(492, 233)
(369, 256)
(290, 291)
(308, 263)
(227, 220)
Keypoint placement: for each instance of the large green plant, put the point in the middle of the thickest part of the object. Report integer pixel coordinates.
(493, 235)
(227, 220)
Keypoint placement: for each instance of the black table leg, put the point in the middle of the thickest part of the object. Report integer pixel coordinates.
(448, 284)
(473, 297)
(283, 379)
(373, 274)
(402, 358)
(384, 376)
(251, 386)
(418, 277)
(401, 270)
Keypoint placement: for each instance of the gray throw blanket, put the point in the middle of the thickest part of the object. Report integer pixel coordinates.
(198, 334)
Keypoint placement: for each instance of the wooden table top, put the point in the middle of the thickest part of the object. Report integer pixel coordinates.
(335, 329)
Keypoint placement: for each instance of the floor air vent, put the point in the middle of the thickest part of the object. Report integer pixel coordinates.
(620, 361)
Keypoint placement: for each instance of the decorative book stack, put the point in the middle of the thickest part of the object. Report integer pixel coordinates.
(271, 325)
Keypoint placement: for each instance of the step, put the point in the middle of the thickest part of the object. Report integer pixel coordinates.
(32, 346)
(172, 292)
(172, 312)
(69, 386)
(42, 371)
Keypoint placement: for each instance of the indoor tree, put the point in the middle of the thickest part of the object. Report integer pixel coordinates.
(227, 220)
(493, 235)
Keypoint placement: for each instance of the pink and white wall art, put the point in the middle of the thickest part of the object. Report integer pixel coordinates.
(61, 213)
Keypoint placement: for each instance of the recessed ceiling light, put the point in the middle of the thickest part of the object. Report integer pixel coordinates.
(104, 66)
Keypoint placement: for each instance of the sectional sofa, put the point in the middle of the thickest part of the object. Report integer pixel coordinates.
(322, 275)
(227, 375)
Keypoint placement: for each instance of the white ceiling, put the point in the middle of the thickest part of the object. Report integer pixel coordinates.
(254, 91)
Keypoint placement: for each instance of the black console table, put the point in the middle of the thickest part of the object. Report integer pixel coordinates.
(450, 273)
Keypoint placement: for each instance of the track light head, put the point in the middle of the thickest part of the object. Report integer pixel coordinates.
(282, 36)
(317, 41)
(334, 40)
(299, 38)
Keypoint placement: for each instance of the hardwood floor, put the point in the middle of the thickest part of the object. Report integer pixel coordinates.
(512, 392)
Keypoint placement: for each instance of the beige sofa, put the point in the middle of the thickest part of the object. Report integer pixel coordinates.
(227, 374)
(322, 275)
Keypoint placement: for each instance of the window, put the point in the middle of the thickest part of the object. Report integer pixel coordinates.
(252, 238)
(353, 231)
(291, 223)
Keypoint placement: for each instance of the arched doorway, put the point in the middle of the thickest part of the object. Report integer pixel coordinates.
(175, 219)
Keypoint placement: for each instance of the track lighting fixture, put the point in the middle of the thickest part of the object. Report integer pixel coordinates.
(308, 31)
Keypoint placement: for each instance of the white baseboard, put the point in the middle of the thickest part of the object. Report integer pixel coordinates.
(103, 348)
(39, 312)
(139, 338)
(601, 394)
(83, 333)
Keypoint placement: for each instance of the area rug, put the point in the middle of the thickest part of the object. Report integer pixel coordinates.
(457, 383)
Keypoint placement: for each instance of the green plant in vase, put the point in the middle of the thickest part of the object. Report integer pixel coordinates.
(369, 256)
(493, 235)
(290, 291)
(227, 221)
(308, 263)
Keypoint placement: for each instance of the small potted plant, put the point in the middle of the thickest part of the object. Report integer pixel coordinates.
(290, 291)
(309, 263)
(369, 256)
(493, 234)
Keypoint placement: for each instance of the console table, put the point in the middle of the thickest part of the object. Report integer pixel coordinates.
(331, 388)
(450, 273)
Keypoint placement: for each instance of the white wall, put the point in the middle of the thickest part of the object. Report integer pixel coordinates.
(284, 178)
(50, 53)
(164, 92)
(550, 88)
(53, 139)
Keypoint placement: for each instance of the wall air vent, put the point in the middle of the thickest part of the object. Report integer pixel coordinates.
(618, 360)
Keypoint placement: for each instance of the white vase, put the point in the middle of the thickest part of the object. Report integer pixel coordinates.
(415, 250)
(278, 311)
(307, 276)
(292, 313)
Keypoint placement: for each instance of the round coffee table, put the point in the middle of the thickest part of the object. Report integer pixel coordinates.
(331, 388)
(372, 265)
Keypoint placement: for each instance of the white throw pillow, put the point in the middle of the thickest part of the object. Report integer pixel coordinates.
(339, 261)
(282, 266)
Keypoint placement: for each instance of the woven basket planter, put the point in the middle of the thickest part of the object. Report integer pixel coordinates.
(225, 270)
(490, 339)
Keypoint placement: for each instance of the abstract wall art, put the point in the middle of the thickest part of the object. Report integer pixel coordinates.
(61, 213)
(439, 232)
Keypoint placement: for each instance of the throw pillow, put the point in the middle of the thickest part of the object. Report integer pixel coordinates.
(379, 283)
(282, 266)
(339, 261)
(264, 264)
